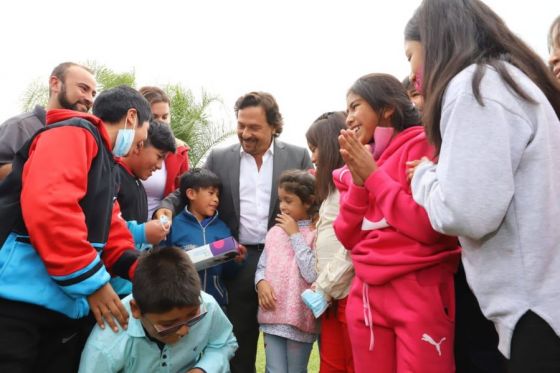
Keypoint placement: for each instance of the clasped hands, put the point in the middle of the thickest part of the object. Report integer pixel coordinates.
(359, 160)
(358, 157)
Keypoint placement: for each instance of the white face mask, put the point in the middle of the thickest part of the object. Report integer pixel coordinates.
(125, 137)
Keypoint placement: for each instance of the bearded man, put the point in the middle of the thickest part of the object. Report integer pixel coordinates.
(71, 86)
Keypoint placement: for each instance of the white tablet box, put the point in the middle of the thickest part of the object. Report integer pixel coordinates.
(214, 253)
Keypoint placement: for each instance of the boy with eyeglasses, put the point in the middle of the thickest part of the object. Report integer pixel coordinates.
(175, 327)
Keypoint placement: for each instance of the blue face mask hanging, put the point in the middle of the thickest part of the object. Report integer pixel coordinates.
(315, 301)
(125, 137)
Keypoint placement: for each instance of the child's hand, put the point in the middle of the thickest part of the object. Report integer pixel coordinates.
(155, 231)
(267, 298)
(106, 305)
(242, 254)
(411, 167)
(166, 212)
(287, 223)
(195, 370)
(357, 157)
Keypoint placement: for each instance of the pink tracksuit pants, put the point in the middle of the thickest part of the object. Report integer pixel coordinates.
(404, 326)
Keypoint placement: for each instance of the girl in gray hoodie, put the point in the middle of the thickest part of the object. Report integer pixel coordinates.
(492, 111)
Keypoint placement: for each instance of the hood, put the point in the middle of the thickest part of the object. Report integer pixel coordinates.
(400, 139)
(59, 115)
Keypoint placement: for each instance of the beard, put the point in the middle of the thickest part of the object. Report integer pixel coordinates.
(66, 104)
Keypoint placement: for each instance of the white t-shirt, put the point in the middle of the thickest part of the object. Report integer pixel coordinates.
(155, 186)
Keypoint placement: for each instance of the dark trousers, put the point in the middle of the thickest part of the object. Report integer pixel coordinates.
(242, 312)
(476, 340)
(535, 347)
(35, 339)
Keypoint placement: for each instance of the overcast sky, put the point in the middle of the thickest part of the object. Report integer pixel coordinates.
(306, 53)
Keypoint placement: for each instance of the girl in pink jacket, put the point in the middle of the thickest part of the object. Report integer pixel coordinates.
(286, 268)
(400, 310)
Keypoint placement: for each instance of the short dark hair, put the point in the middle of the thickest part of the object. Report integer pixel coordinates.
(269, 105)
(112, 105)
(323, 134)
(160, 137)
(154, 95)
(383, 92)
(60, 70)
(197, 178)
(165, 279)
(302, 184)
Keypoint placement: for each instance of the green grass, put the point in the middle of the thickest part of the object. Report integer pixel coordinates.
(312, 367)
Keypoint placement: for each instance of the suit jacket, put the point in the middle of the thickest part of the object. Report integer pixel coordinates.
(225, 162)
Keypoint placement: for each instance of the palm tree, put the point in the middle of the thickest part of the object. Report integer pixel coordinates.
(190, 118)
(190, 121)
(37, 93)
(107, 78)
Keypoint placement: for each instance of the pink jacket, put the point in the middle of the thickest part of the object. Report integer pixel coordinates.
(387, 232)
(283, 274)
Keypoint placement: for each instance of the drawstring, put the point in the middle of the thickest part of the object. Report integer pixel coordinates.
(367, 314)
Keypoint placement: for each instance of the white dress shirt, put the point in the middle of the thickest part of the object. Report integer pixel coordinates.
(254, 196)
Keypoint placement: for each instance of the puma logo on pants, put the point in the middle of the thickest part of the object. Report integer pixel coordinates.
(430, 340)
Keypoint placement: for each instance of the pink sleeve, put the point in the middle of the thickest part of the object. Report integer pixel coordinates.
(348, 223)
(342, 179)
(394, 198)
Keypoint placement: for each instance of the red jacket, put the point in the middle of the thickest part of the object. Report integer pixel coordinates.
(176, 164)
(388, 233)
(50, 200)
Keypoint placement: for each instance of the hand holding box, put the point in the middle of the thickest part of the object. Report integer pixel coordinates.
(214, 253)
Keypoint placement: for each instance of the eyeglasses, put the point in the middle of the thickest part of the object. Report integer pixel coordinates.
(165, 331)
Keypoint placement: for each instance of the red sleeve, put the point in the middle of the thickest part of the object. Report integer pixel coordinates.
(119, 254)
(54, 181)
(176, 164)
(184, 166)
(394, 198)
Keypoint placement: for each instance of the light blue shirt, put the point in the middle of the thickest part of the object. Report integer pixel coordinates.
(209, 346)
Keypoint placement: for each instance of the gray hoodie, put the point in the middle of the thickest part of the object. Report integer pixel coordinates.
(497, 186)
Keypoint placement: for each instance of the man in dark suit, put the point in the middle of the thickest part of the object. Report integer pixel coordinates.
(249, 172)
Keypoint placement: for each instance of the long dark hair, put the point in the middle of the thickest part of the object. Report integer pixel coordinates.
(323, 135)
(554, 39)
(458, 33)
(384, 91)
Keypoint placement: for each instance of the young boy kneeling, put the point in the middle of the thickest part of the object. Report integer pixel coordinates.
(175, 326)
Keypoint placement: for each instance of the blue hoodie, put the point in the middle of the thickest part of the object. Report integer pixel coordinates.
(187, 233)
